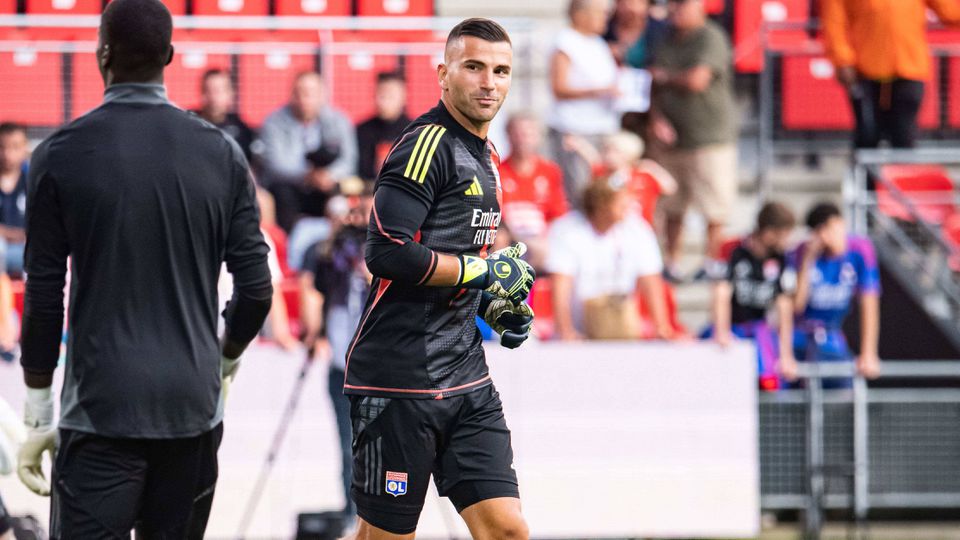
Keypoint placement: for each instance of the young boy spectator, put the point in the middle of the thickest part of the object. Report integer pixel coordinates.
(833, 268)
(619, 162)
(600, 259)
(750, 277)
(533, 194)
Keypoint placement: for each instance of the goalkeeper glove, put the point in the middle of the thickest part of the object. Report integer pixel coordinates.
(41, 438)
(503, 273)
(228, 371)
(511, 322)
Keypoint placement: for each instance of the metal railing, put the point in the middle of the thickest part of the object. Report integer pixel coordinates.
(913, 248)
(861, 448)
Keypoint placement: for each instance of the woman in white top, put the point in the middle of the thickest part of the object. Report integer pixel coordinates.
(583, 77)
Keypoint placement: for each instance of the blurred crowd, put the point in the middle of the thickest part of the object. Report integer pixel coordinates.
(598, 191)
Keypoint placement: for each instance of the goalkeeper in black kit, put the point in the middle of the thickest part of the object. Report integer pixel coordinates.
(422, 402)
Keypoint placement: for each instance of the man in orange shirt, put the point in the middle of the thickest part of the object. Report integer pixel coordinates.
(879, 49)
(533, 193)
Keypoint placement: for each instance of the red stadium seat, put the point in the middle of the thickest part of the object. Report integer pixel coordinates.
(86, 84)
(64, 7)
(423, 90)
(353, 81)
(8, 7)
(176, 7)
(953, 85)
(32, 89)
(541, 300)
(927, 187)
(715, 7)
(747, 20)
(265, 80)
(231, 7)
(382, 8)
(341, 8)
(813, 100)
(951, 232)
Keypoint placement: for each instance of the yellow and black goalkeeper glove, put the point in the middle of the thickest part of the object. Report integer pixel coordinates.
(503, 273)
(512, 322)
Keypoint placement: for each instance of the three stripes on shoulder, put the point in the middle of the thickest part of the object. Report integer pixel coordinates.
(423, 150)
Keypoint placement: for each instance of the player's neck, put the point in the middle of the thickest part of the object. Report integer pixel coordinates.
(478, 129)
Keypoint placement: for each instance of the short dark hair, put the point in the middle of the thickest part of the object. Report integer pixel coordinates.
(478, 27)
(390, 76)
(821, 213)
(139, 34)
(9, 128)
(775, 215)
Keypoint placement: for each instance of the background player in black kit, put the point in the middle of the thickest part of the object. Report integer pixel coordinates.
(148, 201)
(751, 278)
(422, 401)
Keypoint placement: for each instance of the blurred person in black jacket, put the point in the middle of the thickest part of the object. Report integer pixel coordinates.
(217, 105)
(376, 136)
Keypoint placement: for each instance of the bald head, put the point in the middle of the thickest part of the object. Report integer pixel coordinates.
(307, 97)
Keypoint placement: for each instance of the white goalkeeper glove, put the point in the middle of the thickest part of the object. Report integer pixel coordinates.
(512, 322)
(228, 370)
(41, 438)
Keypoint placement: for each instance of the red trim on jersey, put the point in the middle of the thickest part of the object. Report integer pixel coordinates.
(384, 284)
(434, 260)
(376, 217)
(439, 391)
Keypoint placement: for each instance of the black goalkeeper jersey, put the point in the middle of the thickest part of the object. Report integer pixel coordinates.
(438, 192)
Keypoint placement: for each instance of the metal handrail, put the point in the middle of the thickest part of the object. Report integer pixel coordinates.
(888, 368)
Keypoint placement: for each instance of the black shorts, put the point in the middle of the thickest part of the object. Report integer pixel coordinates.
(104, 487)
(398, 443)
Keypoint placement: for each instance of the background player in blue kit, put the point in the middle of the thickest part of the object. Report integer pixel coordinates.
(833, 268)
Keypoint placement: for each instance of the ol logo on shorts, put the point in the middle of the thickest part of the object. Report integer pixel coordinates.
(396, 483)
(501, 269)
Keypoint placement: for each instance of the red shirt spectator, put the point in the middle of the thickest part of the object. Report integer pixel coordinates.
(532, 195)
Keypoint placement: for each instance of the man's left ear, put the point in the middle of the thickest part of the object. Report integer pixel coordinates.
(442, 76)
(169, 56)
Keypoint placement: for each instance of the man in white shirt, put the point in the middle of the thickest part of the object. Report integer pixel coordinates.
(599, 258)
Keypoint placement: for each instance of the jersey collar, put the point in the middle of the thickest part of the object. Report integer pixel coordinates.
(148, 93)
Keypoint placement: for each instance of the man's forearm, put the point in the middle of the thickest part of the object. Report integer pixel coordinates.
(562, 301)
(869, 324)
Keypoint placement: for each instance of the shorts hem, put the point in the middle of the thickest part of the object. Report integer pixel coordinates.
(467, 493)
(374, 517)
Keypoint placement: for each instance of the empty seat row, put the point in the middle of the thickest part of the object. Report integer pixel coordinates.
(71, 83)
(240, 7)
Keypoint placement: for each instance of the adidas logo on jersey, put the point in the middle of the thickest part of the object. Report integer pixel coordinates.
(474, 190)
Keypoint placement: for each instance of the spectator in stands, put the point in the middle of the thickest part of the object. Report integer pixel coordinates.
(619, 162)
(533, 194)
(333, 288)
(583, 78)
(693, 125)
(375, 137)
(304, 125)
(14, 154)
(600, 259)
(880, 54)
(633, 34)
(833, 267)
(750, 277)
(217, 105)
